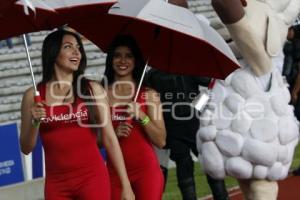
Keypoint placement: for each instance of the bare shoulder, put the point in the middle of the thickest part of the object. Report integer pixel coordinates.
(29, 94)
(98, 90)
(96, 87)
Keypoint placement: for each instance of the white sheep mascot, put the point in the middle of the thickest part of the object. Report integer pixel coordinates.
(248, 130)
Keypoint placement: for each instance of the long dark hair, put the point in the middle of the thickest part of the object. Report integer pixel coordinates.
(51, 48)
(128, 41)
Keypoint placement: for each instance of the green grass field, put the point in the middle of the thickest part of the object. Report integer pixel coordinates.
(172, 192)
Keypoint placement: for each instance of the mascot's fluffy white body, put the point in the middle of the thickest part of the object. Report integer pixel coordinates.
(248, 130)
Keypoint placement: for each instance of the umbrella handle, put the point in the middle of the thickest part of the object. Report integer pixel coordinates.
(37, 97)
(129, 121)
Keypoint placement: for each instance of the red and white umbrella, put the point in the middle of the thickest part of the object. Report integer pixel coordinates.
(72, 10)
(22, 17)
(47, 14)
(171, 38)
(26, 16)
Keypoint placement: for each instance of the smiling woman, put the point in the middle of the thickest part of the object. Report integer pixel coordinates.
(124, 66)
(69, 56)
(123, 61)
(60, 119)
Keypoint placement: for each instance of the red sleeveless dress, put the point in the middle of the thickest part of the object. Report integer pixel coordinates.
(74, 166)
(140, 159)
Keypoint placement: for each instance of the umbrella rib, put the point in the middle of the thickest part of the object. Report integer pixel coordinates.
(170, 50)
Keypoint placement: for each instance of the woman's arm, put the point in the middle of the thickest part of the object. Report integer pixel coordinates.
(110, 140)
(29, 130)
(155, 128)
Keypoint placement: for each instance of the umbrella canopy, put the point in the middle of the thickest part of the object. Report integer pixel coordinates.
(72, 10)
(16, 19)
(24, 16)
(6, 4)
(47, 14)
(171, 38)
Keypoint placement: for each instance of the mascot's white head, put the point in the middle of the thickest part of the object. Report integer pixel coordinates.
(270, 20)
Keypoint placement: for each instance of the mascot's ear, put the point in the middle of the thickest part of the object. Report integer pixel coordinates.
(273, 40)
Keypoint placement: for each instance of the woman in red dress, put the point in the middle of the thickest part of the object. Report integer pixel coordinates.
(71, 104)
(124, 66)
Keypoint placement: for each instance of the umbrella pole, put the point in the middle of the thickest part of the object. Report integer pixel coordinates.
(36, 92)
(141, 80)
(140, 83)
(145, 69)
(156, 33)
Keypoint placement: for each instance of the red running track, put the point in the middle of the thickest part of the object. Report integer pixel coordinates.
(289, 189)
